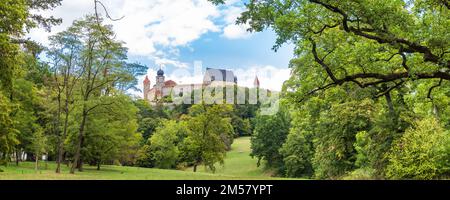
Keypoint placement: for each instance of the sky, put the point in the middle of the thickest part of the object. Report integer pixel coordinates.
(180, 35)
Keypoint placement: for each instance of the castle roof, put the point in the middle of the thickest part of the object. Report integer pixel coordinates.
(170, 83)
(221, 75)
(160, 72)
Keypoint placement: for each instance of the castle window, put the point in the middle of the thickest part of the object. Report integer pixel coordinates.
(181, 92)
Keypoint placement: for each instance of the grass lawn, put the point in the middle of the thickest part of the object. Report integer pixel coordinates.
(238, 165)
(238, 162)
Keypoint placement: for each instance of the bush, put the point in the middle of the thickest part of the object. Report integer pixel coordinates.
(269, 135)
(421, 153)
(297, 153)
(163, 144)
(360, 174)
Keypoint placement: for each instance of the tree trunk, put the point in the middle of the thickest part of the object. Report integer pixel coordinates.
(389, 103)
(60, 140)
(80, 141)
(80, 165)
(61, 143)
(17, 157)
(98, 165)
(195, 168)
(36, 163)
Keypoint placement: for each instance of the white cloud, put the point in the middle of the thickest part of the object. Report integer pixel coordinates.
(147, 23)
(270, 77)
(165, 61)
(156, 28)
(231, 29)
(150, 23)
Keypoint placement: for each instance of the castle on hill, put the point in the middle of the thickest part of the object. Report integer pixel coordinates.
(212, 77)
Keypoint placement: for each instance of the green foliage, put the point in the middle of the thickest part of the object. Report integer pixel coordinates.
(38, 144)
(210, 134)
(297, 154)
(363, 72)
(269, 135)
(362, 149)
(421, 153)
(8, 134)
(13, 14)
(386, 127)
(164, 143)
(360, 174)
(241, 119)
(113, 136)
(148, 126)
(17, 17)
(334, 150)
(26, 115)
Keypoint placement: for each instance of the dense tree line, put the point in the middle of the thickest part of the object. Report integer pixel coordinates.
(67, 102)
(369, 91)
(368, 97)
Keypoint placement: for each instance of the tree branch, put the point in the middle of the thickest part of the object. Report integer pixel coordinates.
(411, 47)
(432, 88)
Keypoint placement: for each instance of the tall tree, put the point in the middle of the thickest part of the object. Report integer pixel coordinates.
(65, 52)
(209, 129)
(17, 18)
(104, 69)
(111, 134)
(383, 44)
(269, 135)
(8, 134)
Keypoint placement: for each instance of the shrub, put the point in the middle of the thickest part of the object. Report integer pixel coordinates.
(360, 174)
(421, 153)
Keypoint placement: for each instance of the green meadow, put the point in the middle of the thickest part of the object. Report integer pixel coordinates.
(238, 166)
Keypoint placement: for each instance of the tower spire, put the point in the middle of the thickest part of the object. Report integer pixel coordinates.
(256, 82)
(146, 87)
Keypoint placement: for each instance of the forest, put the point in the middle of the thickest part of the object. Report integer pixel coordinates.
(368, 96)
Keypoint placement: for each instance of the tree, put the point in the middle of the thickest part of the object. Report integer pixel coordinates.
(38, 145)
(18, 17)
(209, 129)
(164, 143)
(65, 53)
(8, 134)
(111, 134)
(241, 119)
(298, 150)
(379, 44)
(269, 135)
(363, 72)
(421, 153)
(297, 154)
(26, 115)
(99, 61)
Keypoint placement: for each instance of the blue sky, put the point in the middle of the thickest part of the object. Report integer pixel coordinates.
(217, 51)
(174, 34)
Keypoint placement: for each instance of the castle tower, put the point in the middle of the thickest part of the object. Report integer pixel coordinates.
(160, 83)
(256, 82)
(146, 87)
(160, 78)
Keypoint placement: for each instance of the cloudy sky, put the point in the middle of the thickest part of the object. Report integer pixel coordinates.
(175, 34)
